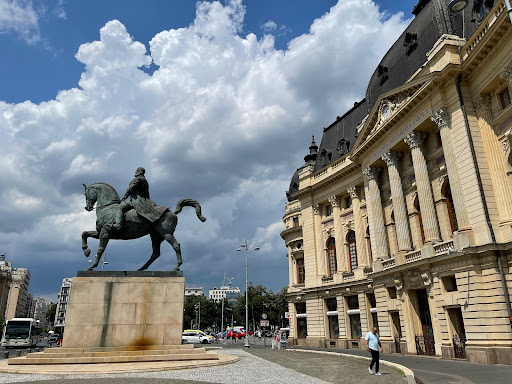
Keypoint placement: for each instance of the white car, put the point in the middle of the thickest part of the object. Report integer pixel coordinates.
(194, 338)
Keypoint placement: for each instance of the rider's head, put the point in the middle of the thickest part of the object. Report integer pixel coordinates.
(140, 172)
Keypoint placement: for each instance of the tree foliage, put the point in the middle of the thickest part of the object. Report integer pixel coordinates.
(260, 300)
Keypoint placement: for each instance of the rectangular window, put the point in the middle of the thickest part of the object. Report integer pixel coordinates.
(504, 98)
(439, 142)
(392, 292)
(328, 210)
(348, 202)
(301, 277)
(450, 283)
(295, 221)
(302, 324)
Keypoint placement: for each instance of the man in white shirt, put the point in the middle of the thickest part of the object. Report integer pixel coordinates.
(373, 345)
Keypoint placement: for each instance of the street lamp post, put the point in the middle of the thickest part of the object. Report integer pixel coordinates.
(247, 244)
(198, 307)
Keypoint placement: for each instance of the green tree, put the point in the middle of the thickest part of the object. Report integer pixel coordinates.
(50, 314)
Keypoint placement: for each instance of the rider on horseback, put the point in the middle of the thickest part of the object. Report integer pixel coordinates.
(137, 197)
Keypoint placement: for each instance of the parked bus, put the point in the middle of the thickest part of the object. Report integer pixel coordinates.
(21, 332)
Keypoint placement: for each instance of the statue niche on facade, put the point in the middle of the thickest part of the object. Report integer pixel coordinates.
(134, 216)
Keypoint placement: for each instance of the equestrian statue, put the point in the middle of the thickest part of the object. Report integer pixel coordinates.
(133, 216)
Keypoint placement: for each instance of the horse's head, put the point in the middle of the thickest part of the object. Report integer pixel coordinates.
(90, 198)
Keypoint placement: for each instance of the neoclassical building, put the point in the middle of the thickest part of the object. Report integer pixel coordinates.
(402, 217)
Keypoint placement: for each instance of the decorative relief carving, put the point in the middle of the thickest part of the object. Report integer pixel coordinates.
(507, 73)
(371, 172)
(399, 284)
(388, 107)
(317, 208)
(441, 179)
(334, 201)
(442, 118)
(427, 278)
(354, 192)
(391, 158)
(415, 139)
(482, 104)
(348, 225)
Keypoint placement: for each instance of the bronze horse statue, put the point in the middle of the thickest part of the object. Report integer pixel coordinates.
(134, 226)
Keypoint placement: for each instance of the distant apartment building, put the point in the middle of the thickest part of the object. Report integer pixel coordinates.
(18, 298)
(5, 284)
(62, 305)
(225, 292)
(193, 290)
(41, 306)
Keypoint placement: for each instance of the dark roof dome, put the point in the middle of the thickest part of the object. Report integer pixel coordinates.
(310, 159)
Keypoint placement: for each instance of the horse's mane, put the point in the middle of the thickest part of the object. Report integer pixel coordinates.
(110, 188)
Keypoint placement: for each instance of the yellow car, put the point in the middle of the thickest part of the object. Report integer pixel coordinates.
(200, 333)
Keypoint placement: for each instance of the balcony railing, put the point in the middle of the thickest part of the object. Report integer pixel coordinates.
(445, 247)
(388, 263)
(412, 256)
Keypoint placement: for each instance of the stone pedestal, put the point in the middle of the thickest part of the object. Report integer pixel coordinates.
(117, 308)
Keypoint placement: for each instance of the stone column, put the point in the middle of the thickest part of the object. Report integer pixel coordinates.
(338, 232)
(497, 168)
(362, 252)
(403, 233)
(424, 188)
(442, 118)
(378, 230)
(319, 241)
(291, 268)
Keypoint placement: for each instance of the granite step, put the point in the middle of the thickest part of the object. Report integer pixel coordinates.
(123, 348)
(66, 354)
(40, 358)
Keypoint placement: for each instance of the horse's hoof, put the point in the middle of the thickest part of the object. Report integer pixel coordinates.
(87, 252)
(176, 269)
(88, 269)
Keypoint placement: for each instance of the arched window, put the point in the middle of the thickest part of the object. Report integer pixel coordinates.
(331, 255)
(450, 207)
(417, 206)
(352, 250)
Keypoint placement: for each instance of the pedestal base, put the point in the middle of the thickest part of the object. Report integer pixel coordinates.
(114, 309)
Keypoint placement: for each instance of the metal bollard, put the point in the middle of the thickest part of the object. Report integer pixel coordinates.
(18, 353)
(6, 355)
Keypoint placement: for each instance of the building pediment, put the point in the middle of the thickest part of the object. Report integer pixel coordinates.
(389, 108)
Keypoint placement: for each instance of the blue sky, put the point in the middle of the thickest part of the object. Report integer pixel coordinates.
(216, 100)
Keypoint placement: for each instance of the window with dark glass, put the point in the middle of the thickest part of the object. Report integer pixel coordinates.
(302, 324)
(451, 209)
(300, 271)
(439, 142)
(331, 255)
(352, 250)
(295, 221)
(328, 210)
(504, 98)
(348, 201)
(332, 306)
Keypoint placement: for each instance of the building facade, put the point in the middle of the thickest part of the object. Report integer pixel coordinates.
(193, 291)
(18, 298)
(402, 218)
(225, 292)
(41, 307)
(62, 305)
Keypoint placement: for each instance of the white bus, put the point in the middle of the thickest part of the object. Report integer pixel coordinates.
(21, 332)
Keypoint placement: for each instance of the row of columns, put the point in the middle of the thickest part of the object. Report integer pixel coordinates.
(339, 233)
(415, 141)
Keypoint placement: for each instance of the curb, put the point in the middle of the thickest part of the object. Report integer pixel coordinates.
(408, 373)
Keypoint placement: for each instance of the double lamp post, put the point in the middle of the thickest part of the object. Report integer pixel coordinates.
(247, 245)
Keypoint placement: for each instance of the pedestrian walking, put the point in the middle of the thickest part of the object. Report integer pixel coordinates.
(373, 345)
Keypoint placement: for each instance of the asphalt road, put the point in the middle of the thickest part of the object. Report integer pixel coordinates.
(12, 351)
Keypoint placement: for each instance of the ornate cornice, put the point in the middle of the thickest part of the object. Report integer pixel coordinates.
(415, 139)
(371, 172)
(442, 118)
(391, 158)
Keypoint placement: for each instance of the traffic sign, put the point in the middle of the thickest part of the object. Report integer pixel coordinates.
(287, 315)
(264, 323)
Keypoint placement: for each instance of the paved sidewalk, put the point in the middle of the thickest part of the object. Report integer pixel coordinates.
(258, 365)
(428, 370)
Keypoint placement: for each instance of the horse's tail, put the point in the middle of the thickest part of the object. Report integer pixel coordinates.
(190, 203)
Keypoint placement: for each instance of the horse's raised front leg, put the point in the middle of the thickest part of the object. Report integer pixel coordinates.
(104, 238)
(156, 240)
(85, 236)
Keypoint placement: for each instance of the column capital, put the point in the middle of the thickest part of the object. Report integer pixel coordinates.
(415, 139)
(391, 158)
(482, 104)
(371, 172)
(354, 192)
(506, 74)
(441, 117)
(317, 209)
(334, 201)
